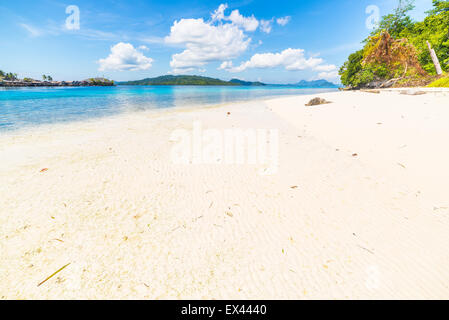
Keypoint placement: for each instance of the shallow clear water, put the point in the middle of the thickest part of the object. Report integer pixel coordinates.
(22, 107)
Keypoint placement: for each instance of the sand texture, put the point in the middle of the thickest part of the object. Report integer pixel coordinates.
(358, 209)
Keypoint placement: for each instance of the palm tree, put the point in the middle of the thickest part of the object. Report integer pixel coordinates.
(11, 76)
(49, 78)
(44, 77)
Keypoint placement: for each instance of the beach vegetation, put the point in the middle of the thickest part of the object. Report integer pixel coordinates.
(440, 83)
(11, 76)
(398, 21)
(100, 82)
(397, 51)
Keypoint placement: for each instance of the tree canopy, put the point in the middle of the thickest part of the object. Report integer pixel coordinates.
(398, 48)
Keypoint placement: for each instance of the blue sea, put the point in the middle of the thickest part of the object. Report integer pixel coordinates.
(24, 107)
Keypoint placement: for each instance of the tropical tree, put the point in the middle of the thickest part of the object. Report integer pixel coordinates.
(352, 73)
(49, 78)
(440, 6)
(398, 48)
(11, 76)
(398, 21)
(396, 57)
(435, 29)
(44, 77)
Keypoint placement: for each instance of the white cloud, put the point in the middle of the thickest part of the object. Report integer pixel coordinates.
(328, 72)
(123, 57)
(326, 68)
(222, 38)
(219, 13)
(143, 48)
(226, 65)
(332, 75)
(265, 25)
(205, 42)
(283, 21)
(34, 32)
(290, 59)
(247, 23)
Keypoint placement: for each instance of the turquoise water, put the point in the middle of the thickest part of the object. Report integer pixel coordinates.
(22, 107)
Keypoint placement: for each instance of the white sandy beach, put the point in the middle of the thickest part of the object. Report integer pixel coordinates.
(359, 208)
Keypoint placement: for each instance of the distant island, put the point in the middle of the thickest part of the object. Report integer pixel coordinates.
(316, 84)
(12, 80)
(185, 80)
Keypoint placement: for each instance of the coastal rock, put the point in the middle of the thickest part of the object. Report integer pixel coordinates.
(317, 101)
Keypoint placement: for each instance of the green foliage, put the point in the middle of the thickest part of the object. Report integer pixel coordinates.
(440, 6)
(398, 21)
(440, 83)
(246, 83)
(352, 73)
(391, 58)
(11, 76)
(100, 82)
(382, 58)
(2, 74)
(406, 33)
(180, 80)
(435, 29)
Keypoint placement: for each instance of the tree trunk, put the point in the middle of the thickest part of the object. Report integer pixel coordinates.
(435, 60)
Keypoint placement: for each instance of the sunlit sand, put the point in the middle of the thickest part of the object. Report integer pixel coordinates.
(358, 207)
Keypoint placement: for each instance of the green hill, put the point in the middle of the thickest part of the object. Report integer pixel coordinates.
(246, 83)
(187, 81)
(316, 84)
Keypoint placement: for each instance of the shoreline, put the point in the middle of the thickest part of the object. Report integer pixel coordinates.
(179, 108)
(357, 210)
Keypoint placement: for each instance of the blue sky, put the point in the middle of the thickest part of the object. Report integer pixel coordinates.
(265, 40)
